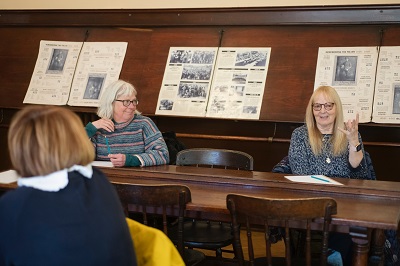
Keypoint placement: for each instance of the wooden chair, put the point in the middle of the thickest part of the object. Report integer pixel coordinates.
(288, 212)
(161, 198)
(205, 234)
(228, 159)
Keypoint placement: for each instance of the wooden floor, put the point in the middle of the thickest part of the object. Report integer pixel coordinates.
(278, 250)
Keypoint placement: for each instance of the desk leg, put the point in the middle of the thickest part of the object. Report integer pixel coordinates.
(360, 237)
(377, 245)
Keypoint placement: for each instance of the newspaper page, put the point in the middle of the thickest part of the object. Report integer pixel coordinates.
(186, 82)
(99, 64)
(351, 71)
(53, 73)
(238, 85)
(387, 89)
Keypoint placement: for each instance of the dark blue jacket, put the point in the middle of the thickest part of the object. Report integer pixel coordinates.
(82, 224)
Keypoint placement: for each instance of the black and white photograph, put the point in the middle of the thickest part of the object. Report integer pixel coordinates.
(346, 69)
(218, 105)
(250, 109)
(192, 90)
(180, 57)
(57, 60)
(203, 57)
(237, 90)
(196, 72)
(239, 78)
(396, 99)
(93, 87)
(251, 58)
(166, 104)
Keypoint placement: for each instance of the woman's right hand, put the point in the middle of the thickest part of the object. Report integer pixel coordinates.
(104, 123)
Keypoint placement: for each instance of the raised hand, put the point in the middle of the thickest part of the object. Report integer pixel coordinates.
(351, 130)
(104, 123)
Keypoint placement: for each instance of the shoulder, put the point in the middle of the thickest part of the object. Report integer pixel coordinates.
(145, 123)
(98, 172)
(14, 199)
(143, 119)
(300, 132)
(98, 179)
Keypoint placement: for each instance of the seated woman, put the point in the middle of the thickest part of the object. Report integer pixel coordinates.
(328, 145)
(64, 212)
(122, 135)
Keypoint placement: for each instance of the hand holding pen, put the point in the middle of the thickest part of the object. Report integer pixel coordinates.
(118, 160)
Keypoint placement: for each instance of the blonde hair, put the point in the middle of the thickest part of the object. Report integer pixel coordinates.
(45, 139)
(111, 93)
(338, 139)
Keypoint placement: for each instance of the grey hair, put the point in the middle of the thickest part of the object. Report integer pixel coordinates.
(112, 92)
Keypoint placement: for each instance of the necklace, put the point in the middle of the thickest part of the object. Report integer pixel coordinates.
(325, 142)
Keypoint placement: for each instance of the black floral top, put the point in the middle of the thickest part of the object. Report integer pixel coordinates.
(304, 162)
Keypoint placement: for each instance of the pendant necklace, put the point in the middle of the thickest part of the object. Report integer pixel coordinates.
(325, 140)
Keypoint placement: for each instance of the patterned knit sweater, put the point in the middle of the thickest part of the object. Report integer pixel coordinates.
(139, 139)
(304, 162)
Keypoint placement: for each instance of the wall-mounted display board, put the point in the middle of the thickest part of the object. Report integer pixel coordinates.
(74, 73)
(225, 82)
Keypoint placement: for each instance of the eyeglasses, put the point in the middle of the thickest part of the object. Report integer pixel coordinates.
(327, 106)
(126, 103)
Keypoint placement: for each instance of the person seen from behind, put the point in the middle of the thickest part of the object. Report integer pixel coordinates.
(64, 212)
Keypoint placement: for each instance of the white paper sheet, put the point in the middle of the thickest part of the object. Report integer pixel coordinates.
(314, 179)
(351, 71)
(74, 73)
(8, 177)
(102, 163)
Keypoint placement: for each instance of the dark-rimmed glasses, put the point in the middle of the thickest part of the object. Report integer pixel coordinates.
(318, 106)
(126, 103)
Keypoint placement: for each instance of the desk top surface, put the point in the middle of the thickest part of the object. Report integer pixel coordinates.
(365, 203)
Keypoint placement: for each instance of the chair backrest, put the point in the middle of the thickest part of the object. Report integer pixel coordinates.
(155, 197)
(287, 212)
(228, 159)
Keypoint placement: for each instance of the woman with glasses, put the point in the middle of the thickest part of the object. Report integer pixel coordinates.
(328, 145)
(122, 135)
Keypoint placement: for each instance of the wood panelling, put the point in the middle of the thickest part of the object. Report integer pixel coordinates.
(294, 34)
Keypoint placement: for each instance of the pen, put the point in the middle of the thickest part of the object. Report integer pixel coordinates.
(321, 179)
(108, 146)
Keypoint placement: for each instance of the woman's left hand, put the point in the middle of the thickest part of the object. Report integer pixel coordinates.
(351, 130)
(118, 160)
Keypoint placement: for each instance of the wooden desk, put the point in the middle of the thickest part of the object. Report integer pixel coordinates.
(363, 205)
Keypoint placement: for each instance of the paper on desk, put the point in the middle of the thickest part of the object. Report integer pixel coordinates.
(8, 177)
(102, 163)
(318, 179)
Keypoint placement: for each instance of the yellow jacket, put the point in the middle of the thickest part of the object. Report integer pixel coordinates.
(152, 246)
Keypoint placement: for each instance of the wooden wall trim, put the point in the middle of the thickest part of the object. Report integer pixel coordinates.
(338, 15)
(269, 139)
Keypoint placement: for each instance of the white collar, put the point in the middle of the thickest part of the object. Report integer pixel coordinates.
(56, 180)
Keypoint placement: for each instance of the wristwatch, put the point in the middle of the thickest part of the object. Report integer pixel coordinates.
(356, 148)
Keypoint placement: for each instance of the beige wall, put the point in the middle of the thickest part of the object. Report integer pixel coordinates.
(140, 4)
